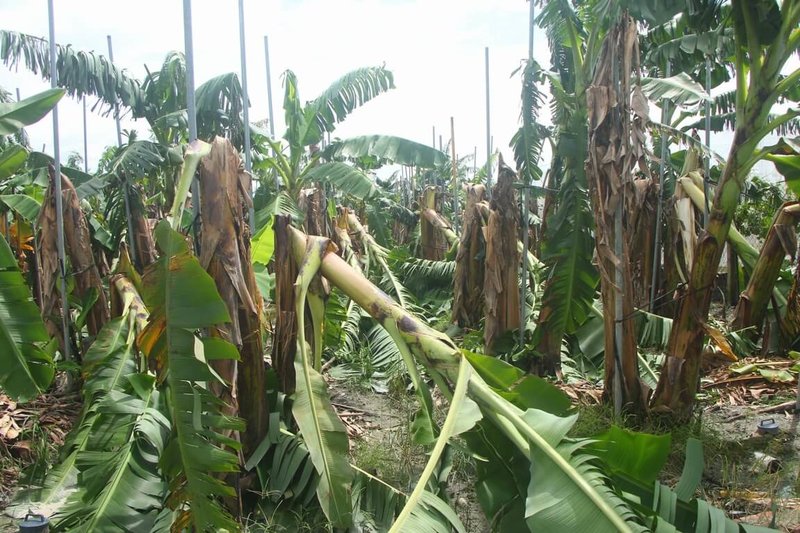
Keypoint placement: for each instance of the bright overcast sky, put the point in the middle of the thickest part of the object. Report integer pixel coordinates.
(434, 48)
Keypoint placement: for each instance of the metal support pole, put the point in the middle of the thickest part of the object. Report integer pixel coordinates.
(191, 114)
(618, 275)
(269, 106)
(248, 165)
(85, 139)
(455, 173)
(488, 128)
(433, 138)
(660, 204)
(523, 286)
(708, 141)
(125, 192)
(62, 262)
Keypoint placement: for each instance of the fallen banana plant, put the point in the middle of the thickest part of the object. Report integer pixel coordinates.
(524, 411)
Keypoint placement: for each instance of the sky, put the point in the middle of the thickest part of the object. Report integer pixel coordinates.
(434, 48)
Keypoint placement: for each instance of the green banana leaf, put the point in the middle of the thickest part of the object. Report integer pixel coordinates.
(16, 115)
(26, 362)
(182, 299)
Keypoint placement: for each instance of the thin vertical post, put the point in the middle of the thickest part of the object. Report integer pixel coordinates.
(708, 141)
(57, 189)
(192, 113)
(269, 105)
(85, 139)
(125, 195)
(18, 98)
(269, 89)
(433, 138)
(475, 161)
(248, 165)
(440, 142)
(618, 274)
(660, 204)
(455, 173)
(488, 127)
(523, 286)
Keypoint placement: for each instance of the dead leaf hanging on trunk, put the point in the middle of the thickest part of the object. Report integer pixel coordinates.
(78, 248)
(501, 278)
(469, 274)
(225, 246)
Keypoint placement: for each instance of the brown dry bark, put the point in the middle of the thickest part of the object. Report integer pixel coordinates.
(468, 278)
(284, 345)
(78, 248)
(501, 274)
(643, 239)
(434, 244)
(617, 118)
(780, 242)
(313, 202)
(143, 236)
(790, 325)
(225, 254)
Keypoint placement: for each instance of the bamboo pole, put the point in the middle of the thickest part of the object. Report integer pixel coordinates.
(57, 189)
(125, 195)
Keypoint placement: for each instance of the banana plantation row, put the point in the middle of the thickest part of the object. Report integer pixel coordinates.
(201, 334)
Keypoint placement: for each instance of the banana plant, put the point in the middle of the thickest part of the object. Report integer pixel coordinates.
(761, 51)
(547, 481)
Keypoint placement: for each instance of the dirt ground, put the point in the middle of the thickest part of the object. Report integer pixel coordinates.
(748, 474)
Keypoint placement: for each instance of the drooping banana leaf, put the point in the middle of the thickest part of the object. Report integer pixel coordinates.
(26, 364)
(387, 148)
(347, 179)
(322, 430)
(16, 115)
(108, 363)
(182, 299)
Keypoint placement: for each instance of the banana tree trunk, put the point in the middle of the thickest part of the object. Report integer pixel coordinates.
(284, 345)
(225, 246)
(79, 251)
(617, 118)
(468, 278)
(143, 236)
(790, 325)
(313, 202)
(758, 69)
(681, 371)
(501, 275)
(436, 233)
(781, 241)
